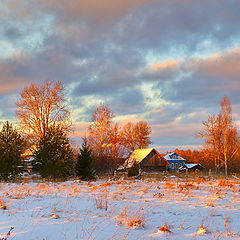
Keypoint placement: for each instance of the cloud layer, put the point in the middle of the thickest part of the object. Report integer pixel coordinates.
(168, 62)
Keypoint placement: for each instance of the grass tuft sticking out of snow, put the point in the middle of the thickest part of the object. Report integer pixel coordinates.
(164, 229)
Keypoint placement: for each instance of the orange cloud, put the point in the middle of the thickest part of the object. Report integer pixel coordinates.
(159, 66)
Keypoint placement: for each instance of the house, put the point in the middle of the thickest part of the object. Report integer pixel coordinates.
(28, 159)
(175, 161)
(192, 167)
(148, 159)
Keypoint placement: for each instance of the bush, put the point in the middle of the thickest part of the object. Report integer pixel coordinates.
(134, 170)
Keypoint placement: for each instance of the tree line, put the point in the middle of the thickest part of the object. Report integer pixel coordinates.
(44, 121)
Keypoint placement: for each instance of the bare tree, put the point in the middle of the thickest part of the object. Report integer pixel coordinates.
(230, 139)
(136, 135)
(41, 106)
(117, 149)
(99, 136)
(100, 129)
(221, 137)
(212, 137)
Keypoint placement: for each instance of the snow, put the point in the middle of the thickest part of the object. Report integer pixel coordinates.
(173, 156)
(121, 209)
(191, 165)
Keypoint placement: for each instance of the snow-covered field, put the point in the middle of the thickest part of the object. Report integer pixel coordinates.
(121, 209)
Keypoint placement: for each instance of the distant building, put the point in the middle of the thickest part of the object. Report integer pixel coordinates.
(175, 161)
(28, 159)
(192, 167)
(148, 159)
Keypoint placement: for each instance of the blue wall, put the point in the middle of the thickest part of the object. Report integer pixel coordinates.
(176, 164)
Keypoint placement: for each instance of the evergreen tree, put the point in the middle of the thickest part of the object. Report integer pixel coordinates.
(84, 166)
(11, 147)
(54, 157)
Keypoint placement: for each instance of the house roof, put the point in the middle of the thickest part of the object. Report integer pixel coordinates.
(137, 156)
(190, 166)
(29, 151)
(173, 156)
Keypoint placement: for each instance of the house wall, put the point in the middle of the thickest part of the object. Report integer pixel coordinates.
(153, 162)
(176, 164)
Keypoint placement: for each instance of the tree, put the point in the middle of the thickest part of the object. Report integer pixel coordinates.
(100, 129)
(230, 139)
(99, 133)
(135, 136)
(212, 138)
(11, 147)
(84, 165)
(54, 157)
(221, 137)
(116, 147)
(41, 106)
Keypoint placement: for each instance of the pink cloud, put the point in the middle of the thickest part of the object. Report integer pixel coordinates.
(9, 82)
(220, 67)
(94, 10)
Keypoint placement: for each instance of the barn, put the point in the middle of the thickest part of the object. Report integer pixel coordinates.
(148, 159)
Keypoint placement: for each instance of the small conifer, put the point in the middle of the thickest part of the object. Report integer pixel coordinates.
(84, 166)
(54, 157)
(11, 148)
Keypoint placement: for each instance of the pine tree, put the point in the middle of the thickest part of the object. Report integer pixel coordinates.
(11, 147)
(84, 166)
(54, 157)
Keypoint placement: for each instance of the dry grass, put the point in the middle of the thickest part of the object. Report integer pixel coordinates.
(169, 185)
(2, 205)
(8, 234)
(101, 202)
(164, 229)
(225, 183)
(158, 195)
(54, 216)
(200, 180)
(134, 221)
(202, 230)
(211, 203)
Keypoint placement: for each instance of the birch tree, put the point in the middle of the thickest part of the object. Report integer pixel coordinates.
(220, 135)
(230, 139)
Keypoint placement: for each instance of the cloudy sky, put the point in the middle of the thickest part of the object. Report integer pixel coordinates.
(166, 61)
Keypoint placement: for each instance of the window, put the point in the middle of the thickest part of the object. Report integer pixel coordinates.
(176, 165)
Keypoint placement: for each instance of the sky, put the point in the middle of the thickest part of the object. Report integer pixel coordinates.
(166, 62)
